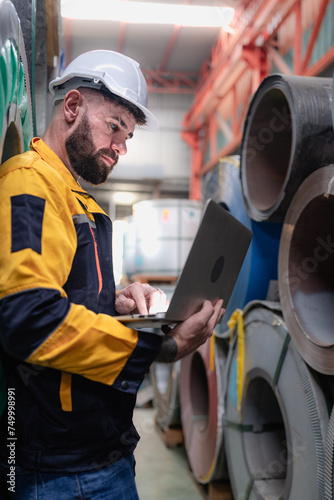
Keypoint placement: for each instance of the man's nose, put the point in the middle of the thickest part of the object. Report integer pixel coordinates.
(118, 145)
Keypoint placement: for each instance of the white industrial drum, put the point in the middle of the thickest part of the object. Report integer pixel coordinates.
(129, 247)
(165, 229)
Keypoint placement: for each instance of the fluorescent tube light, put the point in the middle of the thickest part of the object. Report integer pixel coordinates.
(146, 12)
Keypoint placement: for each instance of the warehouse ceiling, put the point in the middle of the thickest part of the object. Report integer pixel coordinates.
(171, 58)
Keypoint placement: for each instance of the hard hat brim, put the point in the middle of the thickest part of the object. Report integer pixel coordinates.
(151, 124)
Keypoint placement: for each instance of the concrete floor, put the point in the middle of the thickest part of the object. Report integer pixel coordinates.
(161, 473)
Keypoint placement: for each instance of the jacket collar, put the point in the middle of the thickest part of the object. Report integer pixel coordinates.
(42, 149)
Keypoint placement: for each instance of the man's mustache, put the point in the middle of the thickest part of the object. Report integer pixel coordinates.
(109, 154)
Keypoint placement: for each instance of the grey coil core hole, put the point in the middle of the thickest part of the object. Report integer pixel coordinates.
(268, 149)
(264, 439)
(311, 269)
(199, 390)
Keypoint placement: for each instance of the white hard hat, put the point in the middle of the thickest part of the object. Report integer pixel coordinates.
(105, 68)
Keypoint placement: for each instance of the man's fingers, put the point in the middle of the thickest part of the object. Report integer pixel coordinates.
(141, 298)
(219, 311)
(158, 302)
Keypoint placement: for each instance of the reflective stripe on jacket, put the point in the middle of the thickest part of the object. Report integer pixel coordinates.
(75, 369)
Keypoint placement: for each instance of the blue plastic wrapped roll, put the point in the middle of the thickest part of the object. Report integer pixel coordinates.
(259, 270)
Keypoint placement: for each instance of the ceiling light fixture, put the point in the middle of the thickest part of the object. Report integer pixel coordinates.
(124, 198)
(146, 12)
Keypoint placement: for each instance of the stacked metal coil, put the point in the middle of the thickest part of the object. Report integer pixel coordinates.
(277, 380)
(15, 98)
(275, 439)
(288, 134)
(306, 270)
(201, 380)
(165, 381)
(258, 275)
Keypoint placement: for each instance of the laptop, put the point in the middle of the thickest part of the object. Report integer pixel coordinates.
(210, 271)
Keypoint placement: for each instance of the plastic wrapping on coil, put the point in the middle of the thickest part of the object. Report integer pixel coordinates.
(306, 270)
(275, 442)
(165, 382)
(288, 134)
(24, 9)
(15, 102)
(32, 15)
(39, 75)
(259, 269)
(201, 379)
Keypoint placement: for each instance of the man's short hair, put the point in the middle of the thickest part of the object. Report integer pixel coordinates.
(137, 113)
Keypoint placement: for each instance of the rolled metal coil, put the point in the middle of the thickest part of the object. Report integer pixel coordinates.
(329, 459)
(306, 270)
(288, 134)
(275, 442)
(32, 15)
(258, 275)
(165, 382)
(39, 75)
(201, 380)
(15, 102)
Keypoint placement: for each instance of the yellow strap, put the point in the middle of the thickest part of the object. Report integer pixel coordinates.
(230, 159)
(237, 319)
(65, 391)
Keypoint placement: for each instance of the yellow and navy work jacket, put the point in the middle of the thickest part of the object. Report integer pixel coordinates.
(75, 369)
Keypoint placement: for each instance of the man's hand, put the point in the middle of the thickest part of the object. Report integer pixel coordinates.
(191, 333)
(140, 298)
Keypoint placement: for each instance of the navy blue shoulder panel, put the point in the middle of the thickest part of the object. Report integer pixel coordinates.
(27, 220)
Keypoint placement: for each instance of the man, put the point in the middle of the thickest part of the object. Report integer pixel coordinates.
(72, 369)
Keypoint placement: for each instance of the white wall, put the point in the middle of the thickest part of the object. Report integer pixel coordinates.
(162, 154)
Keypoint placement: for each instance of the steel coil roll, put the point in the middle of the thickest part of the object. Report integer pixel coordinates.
(201, 380)
(259, 269)
(39, 75)
(165, 382)
(275, 442)
(32, 17)
(24, 9)
(288, 134)
(329, 459)
(306, 270)
(15, 103)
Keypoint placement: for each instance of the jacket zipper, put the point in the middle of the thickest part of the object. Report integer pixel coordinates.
(97, 260)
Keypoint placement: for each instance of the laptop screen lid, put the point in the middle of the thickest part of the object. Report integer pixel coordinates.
(210, 271)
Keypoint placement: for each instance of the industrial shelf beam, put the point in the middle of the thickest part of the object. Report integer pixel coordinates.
(246, 54)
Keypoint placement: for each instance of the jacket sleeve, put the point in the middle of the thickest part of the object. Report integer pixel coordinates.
(38, 324)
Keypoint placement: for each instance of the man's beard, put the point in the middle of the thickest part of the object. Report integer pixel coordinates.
(87, 164)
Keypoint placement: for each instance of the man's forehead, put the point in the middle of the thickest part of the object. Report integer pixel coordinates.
(117, 112)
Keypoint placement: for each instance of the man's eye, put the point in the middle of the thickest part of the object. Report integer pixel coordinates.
(113, 126)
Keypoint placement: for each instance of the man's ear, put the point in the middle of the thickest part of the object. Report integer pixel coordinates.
(72, 102)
